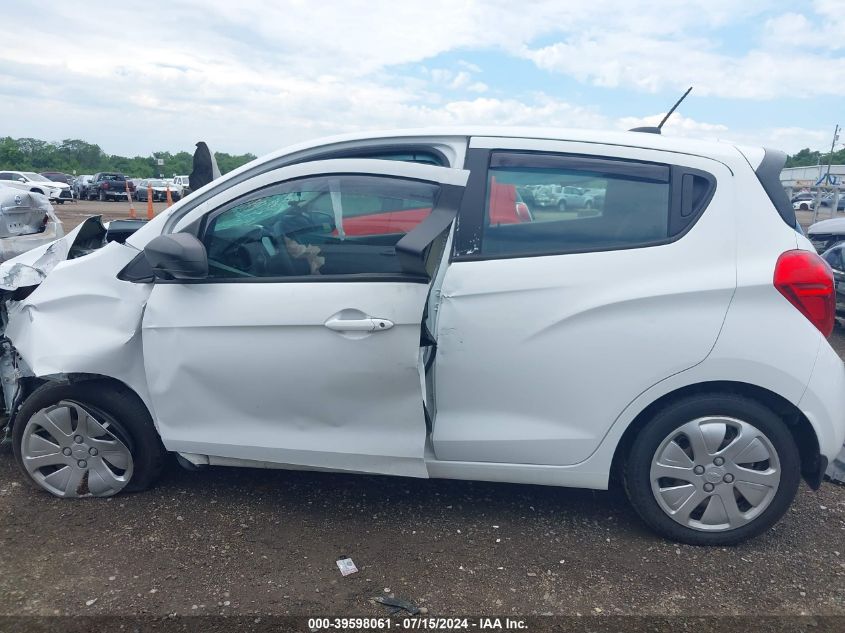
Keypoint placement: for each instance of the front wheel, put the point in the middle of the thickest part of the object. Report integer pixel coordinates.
(713, 470)
(86, 439)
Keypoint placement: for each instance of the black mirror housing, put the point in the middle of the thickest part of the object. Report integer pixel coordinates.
(177, 256)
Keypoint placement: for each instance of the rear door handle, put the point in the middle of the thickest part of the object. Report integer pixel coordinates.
(359, 325)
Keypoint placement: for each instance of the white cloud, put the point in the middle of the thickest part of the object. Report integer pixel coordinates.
(789, 139)
(676, 125)
(252, 76)
(650, 64)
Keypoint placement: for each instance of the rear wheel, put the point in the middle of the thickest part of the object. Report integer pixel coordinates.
(87, 439)
(561, 205)
(713, 470)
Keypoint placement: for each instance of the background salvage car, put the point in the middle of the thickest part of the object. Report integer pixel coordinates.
(108, 186)
(419, 319)
(30, 181)
(159, 188)
(26, 221)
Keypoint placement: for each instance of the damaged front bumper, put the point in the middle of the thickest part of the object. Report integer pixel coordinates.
(19, 277)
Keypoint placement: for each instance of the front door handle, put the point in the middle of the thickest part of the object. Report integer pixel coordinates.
(359, 325)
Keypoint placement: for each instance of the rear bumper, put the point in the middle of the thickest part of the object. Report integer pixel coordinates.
(13, 246)
(823, 402)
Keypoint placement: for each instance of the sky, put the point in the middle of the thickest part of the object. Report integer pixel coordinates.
(253, 76)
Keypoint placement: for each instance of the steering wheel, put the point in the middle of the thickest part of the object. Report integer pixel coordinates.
(259, 252)
(303, 220)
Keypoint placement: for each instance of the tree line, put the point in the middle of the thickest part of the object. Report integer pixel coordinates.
(76, 156)
(810, 158)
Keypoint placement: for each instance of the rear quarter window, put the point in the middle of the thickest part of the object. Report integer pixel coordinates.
(544, 204)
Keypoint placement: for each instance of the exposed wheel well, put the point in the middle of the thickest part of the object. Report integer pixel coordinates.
(797, 423)
(31, 383)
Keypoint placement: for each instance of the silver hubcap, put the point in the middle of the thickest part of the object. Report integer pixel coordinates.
(715, 474)
(70, 453)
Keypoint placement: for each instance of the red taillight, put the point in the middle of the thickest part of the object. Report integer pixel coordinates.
(806, 280)
(105, 185)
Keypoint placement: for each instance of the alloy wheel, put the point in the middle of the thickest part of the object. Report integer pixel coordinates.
(715, 473)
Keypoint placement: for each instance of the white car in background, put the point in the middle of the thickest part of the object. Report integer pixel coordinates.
(182, 184)
(26, 222)
(323, 308)
(36, 183)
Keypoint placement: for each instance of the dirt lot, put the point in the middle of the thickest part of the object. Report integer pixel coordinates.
(73, 213)
(237, 541)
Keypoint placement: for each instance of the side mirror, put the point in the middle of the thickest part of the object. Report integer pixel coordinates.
(178, 256)
(21, 179)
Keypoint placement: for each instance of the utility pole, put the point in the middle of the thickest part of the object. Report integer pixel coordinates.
(830, 156)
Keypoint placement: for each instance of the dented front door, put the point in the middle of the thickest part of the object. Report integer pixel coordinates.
(280, 364)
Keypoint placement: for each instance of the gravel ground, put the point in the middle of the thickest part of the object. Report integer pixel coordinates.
(238, 541)
(73, 213)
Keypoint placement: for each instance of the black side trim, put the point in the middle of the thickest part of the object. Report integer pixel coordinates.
(768, 173)
(639, 170)
(815, 476)
(305, 279)
(379, 152)
(692, 190)
(470, 221)
(138, 270)
(412, 250)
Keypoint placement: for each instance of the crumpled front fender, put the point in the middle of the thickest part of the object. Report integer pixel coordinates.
(83, 319)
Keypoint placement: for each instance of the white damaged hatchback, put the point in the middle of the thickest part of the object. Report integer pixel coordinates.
(402, 303)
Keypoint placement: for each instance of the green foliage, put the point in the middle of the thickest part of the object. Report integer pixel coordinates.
(30, 154)
(810, 158)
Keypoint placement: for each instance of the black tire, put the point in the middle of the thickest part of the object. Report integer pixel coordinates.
(636, 474)
(561, 206)
(124, 409)
(102, 195)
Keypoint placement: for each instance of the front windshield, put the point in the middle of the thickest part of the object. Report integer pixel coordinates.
(157, 183)
(36, 177)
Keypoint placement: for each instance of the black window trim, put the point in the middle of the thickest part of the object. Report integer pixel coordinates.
(373, 153)
(467, 243)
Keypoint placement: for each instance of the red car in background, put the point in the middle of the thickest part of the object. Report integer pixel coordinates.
(506, 207)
